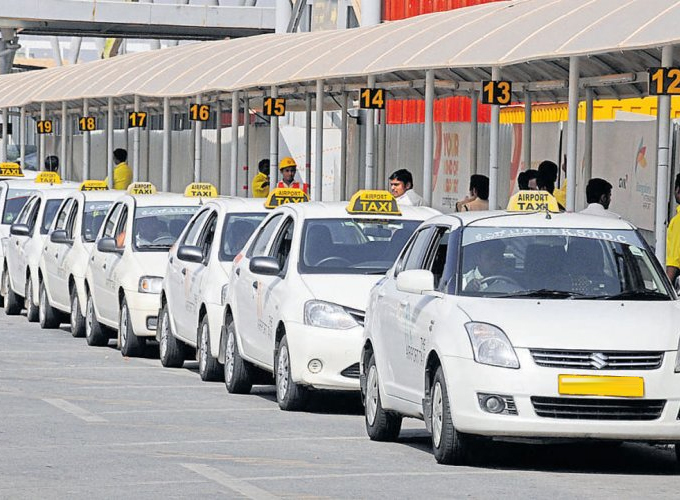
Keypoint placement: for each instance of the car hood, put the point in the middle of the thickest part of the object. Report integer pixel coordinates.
(349, 290)
(581, 324)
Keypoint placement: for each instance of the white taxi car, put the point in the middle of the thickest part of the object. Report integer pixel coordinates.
(298, 292)
(196, 282)
(523, 325)
(65, 254)
(24, 245)
(125, 270)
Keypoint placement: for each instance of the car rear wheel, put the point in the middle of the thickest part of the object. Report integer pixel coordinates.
(94, 333)
(238, 373)
(32, 311)
(47, 315)
(208, 367)
(131, 345)
(290, 396)
(77, 318)
(449, 445)
(171, 350)
(380, 424)
(12, 302)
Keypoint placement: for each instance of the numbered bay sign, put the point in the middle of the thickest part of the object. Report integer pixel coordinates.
(44, 127)
(87, 124)
(199, 112)
(372, 98)
(496, 92)
(274, 106)
(664, 81)
(137, 119)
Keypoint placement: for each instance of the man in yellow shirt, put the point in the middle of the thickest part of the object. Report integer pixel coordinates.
(122, 173)
(261, 180)
(673, 239)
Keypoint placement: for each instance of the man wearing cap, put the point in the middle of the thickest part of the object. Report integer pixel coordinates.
(288, 169)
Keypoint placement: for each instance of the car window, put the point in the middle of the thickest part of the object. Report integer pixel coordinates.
(284, 239)
(259, 245)
(26, 210)
(32, 214)
(235, 233)
(111, 219)
(14, 202)
(71, 221)
(51, 207)
(194, 230)
(94, 214)
(208, 236)
(414, 256)
(121, 227)
(62, 215)
(157, 228)
(436, 259)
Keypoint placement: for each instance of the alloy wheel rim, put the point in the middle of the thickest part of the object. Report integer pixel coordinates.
(123, 326)
(74, 312)
(229, 354)
(437, 414)
(164, 334)
(372, 395)
(282, 372)
(89, 317)
(29, 294)
(42, 307)
(203, 351)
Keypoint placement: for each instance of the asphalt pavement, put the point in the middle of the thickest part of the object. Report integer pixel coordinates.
(84, 422)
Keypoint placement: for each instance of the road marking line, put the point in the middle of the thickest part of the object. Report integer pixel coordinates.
(187, 410)
(467, 471)
(75, 410)
(234, 484)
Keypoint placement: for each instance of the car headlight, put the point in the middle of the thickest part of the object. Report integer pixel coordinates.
(223, 296)
(150, 284)
(491, 346)
(677, 359)
(328, 315)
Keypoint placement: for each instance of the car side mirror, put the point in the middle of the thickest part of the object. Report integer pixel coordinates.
(108, 245)
(190, 253)
(417, 281)
(60, 236)
(19, 229)
(268, 266)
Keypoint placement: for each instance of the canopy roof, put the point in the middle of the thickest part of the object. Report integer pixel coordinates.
(530, 40)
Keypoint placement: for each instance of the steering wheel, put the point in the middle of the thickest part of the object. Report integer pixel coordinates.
(163, 240)
(499, 277)
(339, 260)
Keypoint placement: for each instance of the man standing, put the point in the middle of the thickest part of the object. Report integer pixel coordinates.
(288, 169)
(122, 173)
(401, 186)
(673, 239)
(51, 164)
(261, 180)
(478, 199)
(599, 196)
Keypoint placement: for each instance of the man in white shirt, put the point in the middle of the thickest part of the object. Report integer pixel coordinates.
(401, 186)
(599, 196)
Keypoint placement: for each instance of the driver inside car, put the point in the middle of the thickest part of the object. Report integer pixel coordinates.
(149, 229)
(489, 262)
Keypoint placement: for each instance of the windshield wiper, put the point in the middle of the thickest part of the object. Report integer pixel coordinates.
(154, 247)
(637, 295)
(544, 293)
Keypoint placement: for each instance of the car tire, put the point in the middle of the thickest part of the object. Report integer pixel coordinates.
(170, 349)
(76, 317)
(32, 311)
(131, 345)
(381, 425)
(290, 395)
(208, 367)
(47, 315)
(238, 373)
(12, 303)
(94, 332)
(449, 445)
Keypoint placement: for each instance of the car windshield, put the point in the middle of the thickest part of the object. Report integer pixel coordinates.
(237, 230)
(51, 207)
(93, 216)
(559, 263)
(352, 245)
(15, 201)
(157, 228)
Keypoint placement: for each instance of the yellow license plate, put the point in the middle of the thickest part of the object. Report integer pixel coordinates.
(600, 385)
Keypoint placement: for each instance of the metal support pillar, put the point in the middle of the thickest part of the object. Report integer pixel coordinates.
(41, 156)
(428, 139)
(662, 168)
(109, 142)
(246, 144)
(274, 145)
(343, 145)
(308, 139)
(167, 145)
(126, 129)
(136, 153)
(526, 133)
(234, 143)
(588, 144)
(22, 136)
(5, 135)
(67, 168)
(86, 143)
(382, 149)
(370, 134)
(198, 143)
(474, 130)
(218, 143)
(317, 183)
(572, 132)
(493, 150)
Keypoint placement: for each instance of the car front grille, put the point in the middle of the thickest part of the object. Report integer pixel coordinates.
(598, 360)
(598, 409)
(351, 371)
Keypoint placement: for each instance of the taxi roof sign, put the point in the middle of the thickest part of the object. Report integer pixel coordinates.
(10, 169)
(373, 202)
(533, 201)
(281, 196)
(141, 188)
(94, 186)
(200, 189)
(48, 178)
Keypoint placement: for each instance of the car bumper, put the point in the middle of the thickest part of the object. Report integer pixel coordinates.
(143, 312)
(338, 351)
(466, 379)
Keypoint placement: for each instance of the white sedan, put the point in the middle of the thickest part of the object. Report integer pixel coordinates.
(534, 326)
(298, 292)
(65, 255)
(197, 279)
(125, 270)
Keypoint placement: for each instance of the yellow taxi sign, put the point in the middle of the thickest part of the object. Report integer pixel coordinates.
(599, 385)
(141, 188)
(94, 186)
(533, 201)
(10, 169)
(200, 189)
(281, 196)
(48, 178)
(373, 202)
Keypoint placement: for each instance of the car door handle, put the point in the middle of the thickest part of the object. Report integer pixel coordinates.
(238, 271)
(56, 255)
(171, 260)
(255, 285)
(184, 271)
(104, 266)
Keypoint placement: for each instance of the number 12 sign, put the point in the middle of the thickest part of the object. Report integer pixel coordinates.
(664, 81)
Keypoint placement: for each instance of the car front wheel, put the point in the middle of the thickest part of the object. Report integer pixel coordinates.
(290, 395)
(29, 302)
(77, 318)
(380, 424)
(237, 372)
(449, 445)
(171, 350)
(130, 344)
(12, 303)
(94, 333)
(208, 367)
(48, 316)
